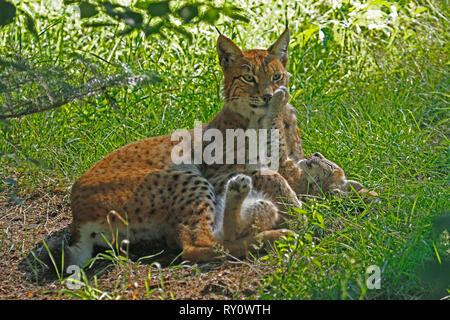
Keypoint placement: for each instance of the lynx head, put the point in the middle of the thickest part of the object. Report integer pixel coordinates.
(324, 175)
(252, 76)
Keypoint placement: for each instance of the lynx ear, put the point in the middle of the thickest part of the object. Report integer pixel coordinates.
(227, 51)
(280, 48)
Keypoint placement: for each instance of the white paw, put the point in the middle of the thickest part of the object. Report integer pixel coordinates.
(239, 185)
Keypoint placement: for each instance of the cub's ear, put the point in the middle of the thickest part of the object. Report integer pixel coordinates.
(227, 51)
(280, 48)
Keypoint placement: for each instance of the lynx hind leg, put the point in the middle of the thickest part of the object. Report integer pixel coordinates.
(269, 236)
(246, 209)
(236, 191)
(193, 225)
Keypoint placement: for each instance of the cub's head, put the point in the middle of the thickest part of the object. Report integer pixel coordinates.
(324, 175)
(252, 76)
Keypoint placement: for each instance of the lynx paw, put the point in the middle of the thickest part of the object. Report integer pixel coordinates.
(273, 235)
(280, 98)
(239, 185)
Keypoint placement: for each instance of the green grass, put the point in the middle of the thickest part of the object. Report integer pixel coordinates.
(375, 103)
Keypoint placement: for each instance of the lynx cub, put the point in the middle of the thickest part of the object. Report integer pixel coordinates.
(317, 173)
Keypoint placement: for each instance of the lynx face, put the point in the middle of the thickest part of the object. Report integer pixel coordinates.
(321, 170)
(325, 175)
(252, 76)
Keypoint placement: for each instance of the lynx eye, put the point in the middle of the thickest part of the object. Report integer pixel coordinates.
(248, 78)
(277, 77)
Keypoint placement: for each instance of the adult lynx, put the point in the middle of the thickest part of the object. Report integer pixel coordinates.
(199, 206)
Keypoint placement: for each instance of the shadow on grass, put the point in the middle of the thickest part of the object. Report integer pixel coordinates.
(435, 273)
(41, 267)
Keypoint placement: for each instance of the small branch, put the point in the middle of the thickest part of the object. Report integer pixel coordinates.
(309, 196)
(91, 87)
(52, 106)
(239, 261)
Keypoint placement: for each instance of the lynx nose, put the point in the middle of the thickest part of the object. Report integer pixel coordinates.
(266, 97)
